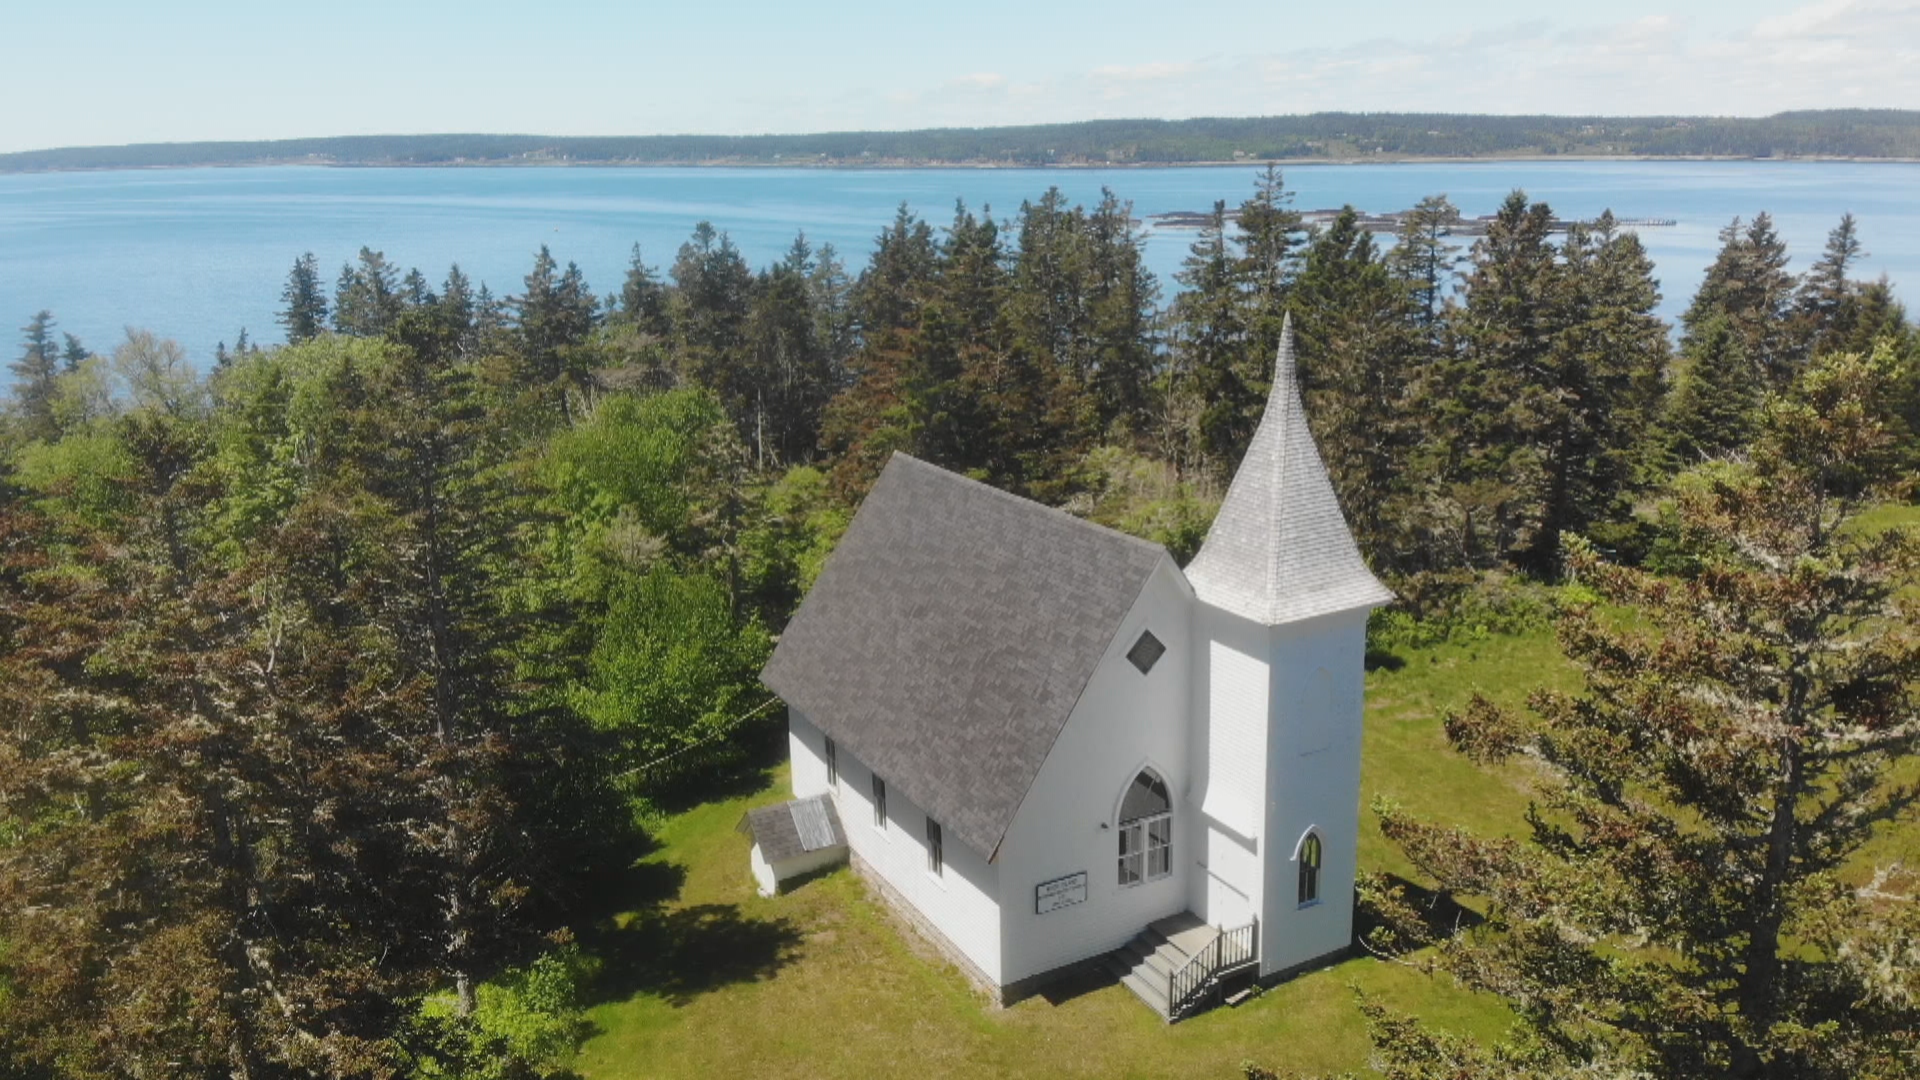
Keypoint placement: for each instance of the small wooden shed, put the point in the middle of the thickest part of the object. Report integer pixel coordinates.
(793, 839)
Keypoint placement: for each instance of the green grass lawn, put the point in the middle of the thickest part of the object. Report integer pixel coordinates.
(704, 978)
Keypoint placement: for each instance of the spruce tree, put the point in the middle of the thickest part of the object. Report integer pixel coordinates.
(1210, 346)
(305, 313)
(1424, 262)
(1716, 399)
(1825, 307)
(1689, 899)
(35, 379)
(1357, 361)
(367, 298)
(1271, 238)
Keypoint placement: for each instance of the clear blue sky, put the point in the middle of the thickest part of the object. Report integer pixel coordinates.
(82, 72)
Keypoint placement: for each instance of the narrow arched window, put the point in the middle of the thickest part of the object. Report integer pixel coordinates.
(1146, 830)
(1309, 860)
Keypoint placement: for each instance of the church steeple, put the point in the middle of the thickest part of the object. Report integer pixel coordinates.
(1280, 551)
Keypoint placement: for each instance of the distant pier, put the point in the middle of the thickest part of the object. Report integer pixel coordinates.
(1391, 222)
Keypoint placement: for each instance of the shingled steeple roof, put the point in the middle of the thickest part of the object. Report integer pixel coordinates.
(1280, 551)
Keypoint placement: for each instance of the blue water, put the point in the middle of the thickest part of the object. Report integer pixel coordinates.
(198, 254)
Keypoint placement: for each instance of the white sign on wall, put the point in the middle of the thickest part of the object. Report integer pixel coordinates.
(1059, 893)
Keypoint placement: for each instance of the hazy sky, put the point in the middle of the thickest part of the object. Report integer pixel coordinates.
(82, 72)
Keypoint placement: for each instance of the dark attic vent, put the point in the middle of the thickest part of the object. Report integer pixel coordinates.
(1146, 652)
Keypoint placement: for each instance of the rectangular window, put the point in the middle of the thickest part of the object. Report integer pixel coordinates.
(1159, 846)
(1132, 852)
(936, 857)
(833, 765)
(879, 802)
(1146, 849)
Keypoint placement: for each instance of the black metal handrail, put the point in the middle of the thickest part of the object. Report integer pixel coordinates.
(1229, 949)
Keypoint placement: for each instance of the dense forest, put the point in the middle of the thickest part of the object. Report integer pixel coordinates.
(338, 679)
(1850, 133)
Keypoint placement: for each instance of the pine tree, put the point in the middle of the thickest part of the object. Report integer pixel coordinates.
(305, 313)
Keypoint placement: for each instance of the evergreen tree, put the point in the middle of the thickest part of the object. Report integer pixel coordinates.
(643, 298)
(305, 313)
(72, 355)
(790, 376)
(1682, 904)
(1604, 370)
(1124, 300)
(367, 300)
(35, 379)
(1491, 417)
(1271, 237)
(1748, 285)
(1825, 307)
(713, 292)
(1210, 345)
(1715, 400)
(1355, 356)
(553, 319)
(1424, 262)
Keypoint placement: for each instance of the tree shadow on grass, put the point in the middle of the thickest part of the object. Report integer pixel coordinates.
(1406, 916)
(680, 953)
(1384, 660)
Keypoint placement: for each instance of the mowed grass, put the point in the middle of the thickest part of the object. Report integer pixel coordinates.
(705, 978)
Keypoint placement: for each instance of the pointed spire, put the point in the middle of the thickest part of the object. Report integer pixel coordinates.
(1285, 378)
(1280, 550)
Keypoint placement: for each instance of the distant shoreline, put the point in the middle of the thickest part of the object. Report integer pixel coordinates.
(897, 166)
(1330, 138)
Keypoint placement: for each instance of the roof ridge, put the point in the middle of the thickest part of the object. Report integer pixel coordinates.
(1026, 502)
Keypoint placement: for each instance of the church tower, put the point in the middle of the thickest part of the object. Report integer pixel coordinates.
(1279, 652)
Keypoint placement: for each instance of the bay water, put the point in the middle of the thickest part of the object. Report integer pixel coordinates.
(198, 254)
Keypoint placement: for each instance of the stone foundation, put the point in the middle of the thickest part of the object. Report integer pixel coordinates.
(910, 915)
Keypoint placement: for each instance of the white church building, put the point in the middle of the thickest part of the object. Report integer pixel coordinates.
(1050, 748)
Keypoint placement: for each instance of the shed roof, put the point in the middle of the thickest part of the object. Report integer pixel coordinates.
(791, 829)
(950, 636)
(1279, 550)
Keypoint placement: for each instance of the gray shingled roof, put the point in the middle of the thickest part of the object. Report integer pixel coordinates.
(1279, 550)
(792, 829)
(950, 636)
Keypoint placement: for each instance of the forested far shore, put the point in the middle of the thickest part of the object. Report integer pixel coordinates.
(1866, 134)
(343, 683)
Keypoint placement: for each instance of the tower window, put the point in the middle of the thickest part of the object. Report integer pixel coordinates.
(879, 803)
(1146, 652)
(936, 854)
(1309, 860)
(833, 765)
